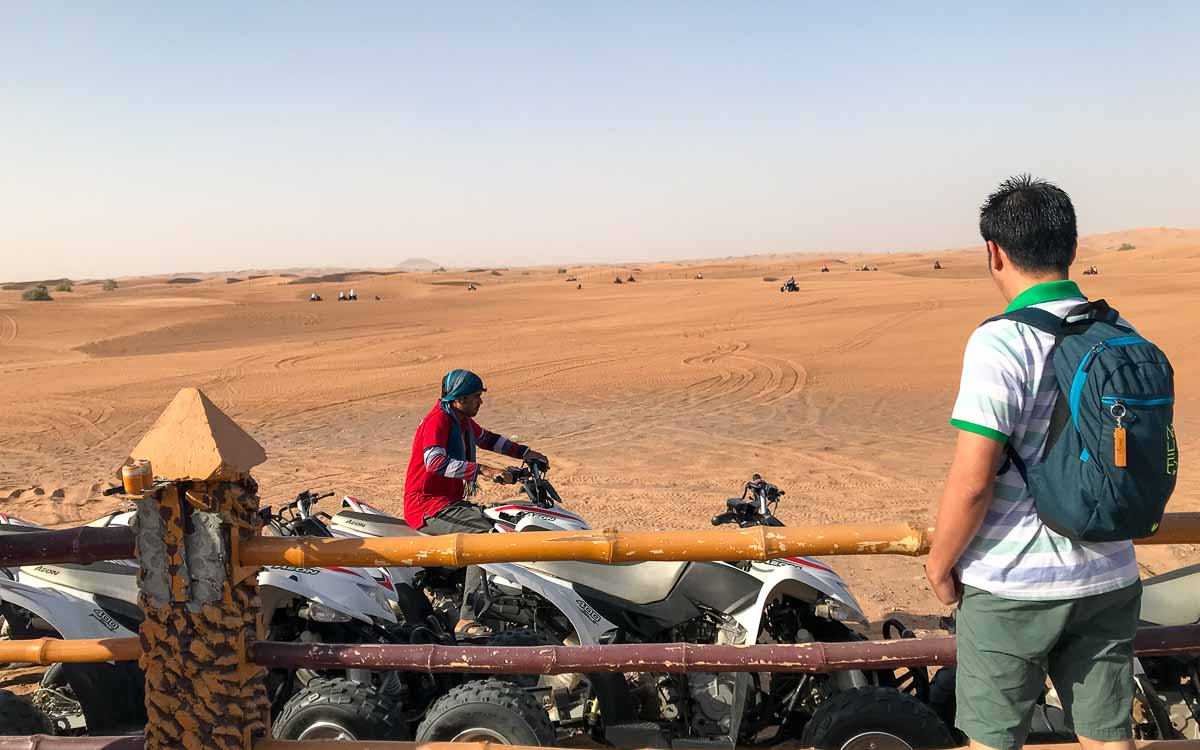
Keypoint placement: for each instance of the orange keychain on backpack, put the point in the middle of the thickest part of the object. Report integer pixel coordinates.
(1119, 453)
(1119, 447)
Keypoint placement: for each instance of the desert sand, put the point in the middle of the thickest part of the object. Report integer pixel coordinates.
(654, 400)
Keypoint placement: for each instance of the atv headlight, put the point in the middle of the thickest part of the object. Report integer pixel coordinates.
(320, 613)
(833, 610)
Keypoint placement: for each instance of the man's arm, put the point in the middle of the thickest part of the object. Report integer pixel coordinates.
(489, 440)
(964, 505)
(435, 435)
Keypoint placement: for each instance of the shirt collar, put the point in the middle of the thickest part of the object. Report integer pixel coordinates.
(1047, 291)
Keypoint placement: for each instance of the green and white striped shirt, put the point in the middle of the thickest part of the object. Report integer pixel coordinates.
(1008, 392)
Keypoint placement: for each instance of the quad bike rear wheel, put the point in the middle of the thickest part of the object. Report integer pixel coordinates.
(19, 717)
(487, 711)
(875, 718)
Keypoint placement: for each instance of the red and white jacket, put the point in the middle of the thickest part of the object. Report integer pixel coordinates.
(434, 480)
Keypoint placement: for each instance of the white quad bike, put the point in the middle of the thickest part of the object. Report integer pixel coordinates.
(100, 600)
(791, 600)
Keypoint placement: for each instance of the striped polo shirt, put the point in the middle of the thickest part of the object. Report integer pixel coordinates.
(1008, 392)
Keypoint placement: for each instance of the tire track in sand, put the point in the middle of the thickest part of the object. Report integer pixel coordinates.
(9, 329)
(742, 377)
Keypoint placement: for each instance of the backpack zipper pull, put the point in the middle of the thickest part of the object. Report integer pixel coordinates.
(1120, 458)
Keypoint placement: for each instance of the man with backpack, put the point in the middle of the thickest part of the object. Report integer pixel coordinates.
(1065, 453)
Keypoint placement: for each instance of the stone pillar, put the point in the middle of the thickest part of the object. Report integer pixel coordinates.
(200, 611)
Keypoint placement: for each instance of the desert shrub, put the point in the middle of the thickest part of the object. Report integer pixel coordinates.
(110, 285)
(38, 293)
(562, 270)
(770, 278)
(1127, 246)
(64, 287)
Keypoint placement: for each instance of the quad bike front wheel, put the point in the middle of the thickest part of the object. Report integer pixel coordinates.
(338, 709)
(487, 711)
(874, 718)
(522, 637)
(19, 717)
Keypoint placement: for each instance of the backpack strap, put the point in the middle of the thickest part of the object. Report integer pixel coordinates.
(1077, 320)
(1032, 316)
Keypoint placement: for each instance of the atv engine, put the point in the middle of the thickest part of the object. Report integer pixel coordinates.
(716, 699)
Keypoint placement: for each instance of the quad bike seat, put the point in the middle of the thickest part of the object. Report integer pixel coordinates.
(1172, 598)
(372, 523)
(639, 582)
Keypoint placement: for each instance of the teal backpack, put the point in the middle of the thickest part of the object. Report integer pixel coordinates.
(1111, 457)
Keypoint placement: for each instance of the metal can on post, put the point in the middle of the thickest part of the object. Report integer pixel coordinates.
(147, 473)
(131, 477)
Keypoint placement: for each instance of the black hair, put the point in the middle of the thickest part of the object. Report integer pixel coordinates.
(1034, 221)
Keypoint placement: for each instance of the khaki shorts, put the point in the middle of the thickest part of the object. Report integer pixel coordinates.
(1007, 647)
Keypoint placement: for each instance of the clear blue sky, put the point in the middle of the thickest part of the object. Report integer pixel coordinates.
(165, 137)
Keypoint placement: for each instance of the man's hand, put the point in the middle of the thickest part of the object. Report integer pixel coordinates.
(505, 477)
(946, 585)
(532, 455)
(961, 512)
(499, 476)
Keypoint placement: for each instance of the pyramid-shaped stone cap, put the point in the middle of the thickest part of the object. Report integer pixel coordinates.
(193, 439)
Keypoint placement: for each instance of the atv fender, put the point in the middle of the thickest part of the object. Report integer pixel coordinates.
(72, 616)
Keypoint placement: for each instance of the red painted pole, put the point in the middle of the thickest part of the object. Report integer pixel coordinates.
(46, 742)
(660, 657)
(81, 546)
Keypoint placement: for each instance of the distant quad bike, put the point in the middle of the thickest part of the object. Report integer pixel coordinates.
(790, 286)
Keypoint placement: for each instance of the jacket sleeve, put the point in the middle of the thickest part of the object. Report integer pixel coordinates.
(497, 443)
(435, 436)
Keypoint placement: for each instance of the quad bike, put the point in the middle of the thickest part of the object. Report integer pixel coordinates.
(100, 600)
(790, 286)
(792, 600)
(1166, 703)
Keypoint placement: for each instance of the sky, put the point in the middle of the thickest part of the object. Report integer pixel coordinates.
(140, 137)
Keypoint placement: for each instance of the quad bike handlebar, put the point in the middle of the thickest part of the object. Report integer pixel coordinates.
(531, 475)
(294, 512)
(758, 510)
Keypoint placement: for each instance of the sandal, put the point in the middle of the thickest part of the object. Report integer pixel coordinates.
(470, 629)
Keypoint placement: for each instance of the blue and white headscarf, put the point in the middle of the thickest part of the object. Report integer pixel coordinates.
(459, 384)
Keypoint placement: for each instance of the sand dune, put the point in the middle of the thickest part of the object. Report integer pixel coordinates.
(655, 400)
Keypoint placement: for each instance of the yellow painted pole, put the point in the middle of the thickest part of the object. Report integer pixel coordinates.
(760, 543)
(47, 651)
(609, 546)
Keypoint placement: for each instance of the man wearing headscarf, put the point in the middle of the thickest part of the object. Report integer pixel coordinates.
(443, 464)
